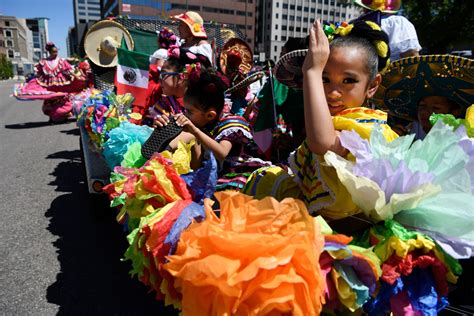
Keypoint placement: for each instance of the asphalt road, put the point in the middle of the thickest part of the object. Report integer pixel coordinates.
(60, 251)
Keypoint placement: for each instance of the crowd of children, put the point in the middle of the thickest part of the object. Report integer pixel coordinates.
(404, 193)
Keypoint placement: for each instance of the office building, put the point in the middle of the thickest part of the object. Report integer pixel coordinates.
(86, 12)
(238, 12)
(39, 29)
(16, 42)
(277, 20)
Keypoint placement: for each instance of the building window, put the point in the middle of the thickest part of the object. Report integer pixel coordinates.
(82, 21)
(292, 17)
(276, 37)
(305, 20)
(9, 43)
(8, 33)
(299, 8)
(291, 28)
(283, 27)
(284, 17)
(325, 12)
(306, 9)
(7, 23)
(81, 7)
(277, 15)
(283, 38)
(278, 4)
(276, 26)
(319, 11)
(249, 40)
(313, 10)
(292, 6)
(240, 12)
(249, 14)
(298, 18)
(81, 1)
(10, 54)
(305, 30)
(275, 48)
(285, 5)
(298, 29)
(249, 27)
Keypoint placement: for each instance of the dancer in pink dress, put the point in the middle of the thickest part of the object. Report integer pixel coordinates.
(56, 81)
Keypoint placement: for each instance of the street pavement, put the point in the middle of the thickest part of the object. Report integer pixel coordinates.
(60, 251)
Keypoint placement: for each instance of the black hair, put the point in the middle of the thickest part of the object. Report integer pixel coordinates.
(371, 64)
(365, 36)
(206, 90)
(295, 43)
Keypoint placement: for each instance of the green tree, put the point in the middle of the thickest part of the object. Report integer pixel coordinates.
(442, 24)
(6, 67)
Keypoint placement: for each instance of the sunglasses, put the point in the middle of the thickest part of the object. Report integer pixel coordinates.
(164, 75)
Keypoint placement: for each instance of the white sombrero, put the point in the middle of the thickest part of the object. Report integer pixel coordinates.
(102, 40)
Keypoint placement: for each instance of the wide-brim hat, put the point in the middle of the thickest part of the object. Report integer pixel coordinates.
(288, 69)
(194, 21)
(103, 39)
(236, 45)
(387, 6)
(246, 82)
(409, 79)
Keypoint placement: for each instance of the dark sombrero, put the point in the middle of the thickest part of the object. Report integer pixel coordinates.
(409, 79)
(288, 69)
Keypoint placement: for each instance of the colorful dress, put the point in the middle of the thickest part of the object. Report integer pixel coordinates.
(320, 188)
(241, 161)
(56, 81)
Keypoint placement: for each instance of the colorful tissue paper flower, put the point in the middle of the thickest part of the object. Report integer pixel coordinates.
(258, 257)
(425, 185)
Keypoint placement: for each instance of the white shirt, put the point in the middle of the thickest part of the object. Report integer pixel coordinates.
(401, 34)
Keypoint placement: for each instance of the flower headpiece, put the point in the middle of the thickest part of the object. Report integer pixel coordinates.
(364, 29)
(167, 38)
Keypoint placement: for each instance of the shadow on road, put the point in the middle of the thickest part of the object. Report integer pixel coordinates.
(28, 125)
(74, 131)
(93, 279)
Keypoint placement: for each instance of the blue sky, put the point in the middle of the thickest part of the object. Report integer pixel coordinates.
(59, 12)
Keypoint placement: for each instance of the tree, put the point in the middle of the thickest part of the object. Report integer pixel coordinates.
(442, 24)
(6, 67)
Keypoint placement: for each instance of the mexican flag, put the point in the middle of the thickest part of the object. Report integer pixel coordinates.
(132, 74)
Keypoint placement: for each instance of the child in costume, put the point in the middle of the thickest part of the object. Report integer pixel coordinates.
(338, 80)
(226, 135)
(415, 88)
(173, 80)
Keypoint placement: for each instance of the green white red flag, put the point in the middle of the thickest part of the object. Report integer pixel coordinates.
(132, 74)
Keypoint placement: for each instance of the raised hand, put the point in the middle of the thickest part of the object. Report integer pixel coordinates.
(318, 52)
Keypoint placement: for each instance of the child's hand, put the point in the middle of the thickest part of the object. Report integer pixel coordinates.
(318, 52)
(188, 126)
(161, 120)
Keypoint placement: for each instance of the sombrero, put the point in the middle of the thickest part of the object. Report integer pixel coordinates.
(288, 68)
(194, 21)
(102, 40)
(239, 51)
(409, 79)
(246, 82)
(386, 6)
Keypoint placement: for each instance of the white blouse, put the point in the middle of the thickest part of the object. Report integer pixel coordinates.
(402, 35)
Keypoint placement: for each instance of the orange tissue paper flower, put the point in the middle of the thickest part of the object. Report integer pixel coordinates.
(259, 257)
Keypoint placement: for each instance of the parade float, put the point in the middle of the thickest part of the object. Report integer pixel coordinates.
(227, 253)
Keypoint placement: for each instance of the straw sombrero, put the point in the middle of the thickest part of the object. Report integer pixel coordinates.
(409, 79)
(386, 6)
(102, 40)
(194, 21)
(236, 49)
(288, 68)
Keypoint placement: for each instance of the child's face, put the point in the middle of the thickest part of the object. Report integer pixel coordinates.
(199, 117)
(171, 83)
(433, 104)
(345, 79)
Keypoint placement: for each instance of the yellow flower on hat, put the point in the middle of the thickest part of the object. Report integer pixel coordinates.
(373, 25)
(197, 27)
(344, 30)
(382, 48)
(378, 5)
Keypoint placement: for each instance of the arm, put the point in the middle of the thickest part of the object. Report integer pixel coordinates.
(320, 132)
(219, 149)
